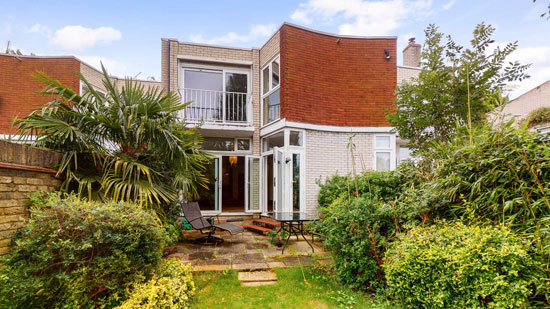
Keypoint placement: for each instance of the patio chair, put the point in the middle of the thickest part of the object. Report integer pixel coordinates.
(193, 215)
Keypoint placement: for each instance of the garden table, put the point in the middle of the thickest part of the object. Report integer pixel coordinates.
(292, 223)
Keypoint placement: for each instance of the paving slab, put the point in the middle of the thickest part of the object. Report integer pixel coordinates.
(276, 264)
(209, 268)
(201, 255)
(218, 261)
(248, 258)
(257, 245)
(249, 266)
(263, 275)
(258, 283)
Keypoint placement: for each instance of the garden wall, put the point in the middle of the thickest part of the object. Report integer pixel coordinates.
(23, 170)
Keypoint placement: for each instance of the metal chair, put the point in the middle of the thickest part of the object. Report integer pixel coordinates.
(193, 215)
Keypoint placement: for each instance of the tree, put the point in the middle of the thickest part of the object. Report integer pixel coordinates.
(455, 85)
(547, 12)
(127, 144)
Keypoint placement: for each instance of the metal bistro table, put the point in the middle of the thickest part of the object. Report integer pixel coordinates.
(292, 223)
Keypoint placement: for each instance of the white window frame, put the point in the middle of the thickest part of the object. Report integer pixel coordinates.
(220, 69)
(271, 90)
(288, 150)
(235, 150)
(391, 150)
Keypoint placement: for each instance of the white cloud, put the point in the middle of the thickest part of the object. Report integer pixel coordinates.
(41, 29)
(114, 67)
(257, 31)
(78, 38)
(449, 4)
(362, 17)
(539, 57)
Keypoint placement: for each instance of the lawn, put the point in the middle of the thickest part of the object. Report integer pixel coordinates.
(224, 290)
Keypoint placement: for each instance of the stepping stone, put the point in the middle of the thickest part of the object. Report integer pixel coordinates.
(255, 278)
(249, 266)
(248, 258)
(264, 275)
(200, 268)
(257, 283)
(257, 245)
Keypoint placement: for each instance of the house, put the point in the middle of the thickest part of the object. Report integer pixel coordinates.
(18, 89)
(519, 108)
(281, 117)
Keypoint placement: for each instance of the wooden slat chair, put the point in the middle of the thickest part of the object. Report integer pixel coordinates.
(193, 215)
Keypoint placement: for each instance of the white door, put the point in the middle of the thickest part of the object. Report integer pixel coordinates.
(279, 180)
(252, 181)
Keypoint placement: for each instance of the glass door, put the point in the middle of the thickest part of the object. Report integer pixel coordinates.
(252, 180)
(279, 180)
(209, 197)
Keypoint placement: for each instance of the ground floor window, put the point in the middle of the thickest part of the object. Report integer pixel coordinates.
(226, 144)
(384, 153)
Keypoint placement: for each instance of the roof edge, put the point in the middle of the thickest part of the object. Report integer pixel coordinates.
(79, 61)
(343, 36)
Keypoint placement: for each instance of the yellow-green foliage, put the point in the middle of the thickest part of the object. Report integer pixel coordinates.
(459, 266)
(539, 115)
(171, 287)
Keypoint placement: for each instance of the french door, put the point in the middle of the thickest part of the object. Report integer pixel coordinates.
(279, 180)
(252, 184)
(288, 180)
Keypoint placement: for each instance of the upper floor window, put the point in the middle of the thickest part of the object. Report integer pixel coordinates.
(217, 94)
(271, 98)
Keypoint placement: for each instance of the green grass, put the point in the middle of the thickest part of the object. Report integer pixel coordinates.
(224, 290)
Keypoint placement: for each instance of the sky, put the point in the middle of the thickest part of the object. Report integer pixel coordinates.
(126, 35)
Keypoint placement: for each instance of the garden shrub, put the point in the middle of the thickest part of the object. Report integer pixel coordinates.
(359, 226)
(172, 286)
(357, 231)
(383, 185)
(173, 231)
(538, 116)
(458, 266)
(73, 253)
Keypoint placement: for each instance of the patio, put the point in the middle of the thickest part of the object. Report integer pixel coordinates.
(246, 251)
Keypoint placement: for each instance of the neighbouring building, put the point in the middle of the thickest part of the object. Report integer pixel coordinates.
(519, 108)
(281, 117)
(18, 88)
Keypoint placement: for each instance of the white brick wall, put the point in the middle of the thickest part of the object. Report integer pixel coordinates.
(521, 106)
(270, 49)
(95, 78)
(405, 74)
(327, 154)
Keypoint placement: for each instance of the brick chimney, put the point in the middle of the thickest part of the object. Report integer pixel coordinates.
(411, 54)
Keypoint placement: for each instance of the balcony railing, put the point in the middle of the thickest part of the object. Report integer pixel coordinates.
(213, 106)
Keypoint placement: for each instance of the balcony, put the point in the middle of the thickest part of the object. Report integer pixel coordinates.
(216, 107)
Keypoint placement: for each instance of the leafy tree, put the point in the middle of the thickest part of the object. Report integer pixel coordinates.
(456, 84)
(546, 13)
(126, 144)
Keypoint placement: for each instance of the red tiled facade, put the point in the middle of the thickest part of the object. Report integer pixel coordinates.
(336, 81)
(18, 97)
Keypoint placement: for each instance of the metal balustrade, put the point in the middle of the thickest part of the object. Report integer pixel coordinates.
(212, 106)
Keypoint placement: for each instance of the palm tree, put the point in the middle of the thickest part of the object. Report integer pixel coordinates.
(126, 144)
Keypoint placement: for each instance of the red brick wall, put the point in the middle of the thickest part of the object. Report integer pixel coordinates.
(18, 88)
(345, 84)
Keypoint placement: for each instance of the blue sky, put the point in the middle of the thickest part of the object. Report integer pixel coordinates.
(126, 35)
